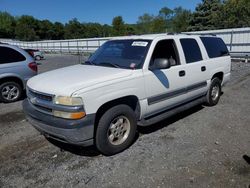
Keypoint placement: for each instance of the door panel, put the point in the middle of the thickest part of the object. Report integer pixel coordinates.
(196, 67)
(196, 79)
(165, 88)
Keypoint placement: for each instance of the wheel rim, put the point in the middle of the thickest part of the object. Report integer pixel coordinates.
(215, 92)
(118, 130)
(10, 92)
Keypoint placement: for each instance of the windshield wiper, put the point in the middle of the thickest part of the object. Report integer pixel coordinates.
(88, 62)
(107, 63)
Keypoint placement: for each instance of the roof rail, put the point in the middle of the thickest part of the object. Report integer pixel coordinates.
(173, 33)
(202, 34)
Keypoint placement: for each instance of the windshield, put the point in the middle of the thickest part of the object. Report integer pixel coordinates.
(128, 54)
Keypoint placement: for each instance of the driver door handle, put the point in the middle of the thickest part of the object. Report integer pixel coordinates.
(182, 73)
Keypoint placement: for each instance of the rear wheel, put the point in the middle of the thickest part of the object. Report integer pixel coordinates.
(214, 92)
(116, 130)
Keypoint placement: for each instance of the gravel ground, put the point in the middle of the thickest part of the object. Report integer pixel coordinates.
(201, 147)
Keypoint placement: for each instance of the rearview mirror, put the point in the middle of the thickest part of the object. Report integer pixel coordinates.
(161, 63)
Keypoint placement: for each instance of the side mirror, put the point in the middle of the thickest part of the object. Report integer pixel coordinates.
(161, 63)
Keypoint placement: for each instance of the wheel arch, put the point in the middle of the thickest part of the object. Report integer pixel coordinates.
(219, 75)
(13, 79)
(130, 100)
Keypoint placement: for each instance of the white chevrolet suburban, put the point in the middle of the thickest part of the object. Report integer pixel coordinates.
(129, 81)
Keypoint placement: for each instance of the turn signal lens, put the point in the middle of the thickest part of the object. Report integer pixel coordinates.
(69, 115)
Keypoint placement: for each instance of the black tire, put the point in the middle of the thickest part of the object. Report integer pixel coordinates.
(213, 98)
(103, 144)
(18, 91)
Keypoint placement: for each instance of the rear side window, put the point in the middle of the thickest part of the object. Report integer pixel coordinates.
(9, 55)
(215, 47)
(191, 50)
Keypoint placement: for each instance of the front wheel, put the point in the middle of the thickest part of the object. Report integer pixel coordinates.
(38, 58)
(214, 92)
(116, 130)
(10, 92)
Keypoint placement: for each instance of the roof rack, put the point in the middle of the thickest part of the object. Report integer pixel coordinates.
(202, 34)
(173, 33)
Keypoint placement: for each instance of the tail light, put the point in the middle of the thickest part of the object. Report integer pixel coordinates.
(31, 53)
(33, 66)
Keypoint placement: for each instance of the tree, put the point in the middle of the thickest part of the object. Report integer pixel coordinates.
(93, 30)
(106, 30)
(26, 28)
(181, 19)
(166, 12)
(74, 29)
(158, 25)
(130, 29)
(235, 13)
(46, 30)
(144, 24)
(58, 30)
(206, 16)
(7, 25)
(118, 26)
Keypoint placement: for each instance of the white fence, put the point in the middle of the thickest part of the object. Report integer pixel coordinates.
(237, 41)
(61, 46)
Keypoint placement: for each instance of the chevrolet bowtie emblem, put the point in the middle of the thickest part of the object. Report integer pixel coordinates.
(33, 100)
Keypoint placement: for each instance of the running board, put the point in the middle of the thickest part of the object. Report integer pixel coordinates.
(170, 112)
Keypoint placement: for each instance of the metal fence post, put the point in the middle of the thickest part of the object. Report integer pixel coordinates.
(77, 47)
(60, 42)
(68, 47)
(231, 40)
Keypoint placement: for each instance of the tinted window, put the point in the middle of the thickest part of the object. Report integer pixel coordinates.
(215, 47)
(8, 55)
(191, 50)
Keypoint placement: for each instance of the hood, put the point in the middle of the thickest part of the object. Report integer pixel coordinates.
(67, 80)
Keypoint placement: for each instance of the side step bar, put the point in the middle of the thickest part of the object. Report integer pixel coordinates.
(170, 112)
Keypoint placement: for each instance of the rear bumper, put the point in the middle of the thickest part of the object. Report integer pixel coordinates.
(77, 132)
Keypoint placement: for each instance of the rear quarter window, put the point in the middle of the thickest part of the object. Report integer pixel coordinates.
(191, 50)
(215, 47)
(9, 55)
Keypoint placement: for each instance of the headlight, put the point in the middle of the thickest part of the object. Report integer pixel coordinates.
(68, 101)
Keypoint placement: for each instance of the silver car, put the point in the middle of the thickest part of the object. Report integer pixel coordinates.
(16, 67)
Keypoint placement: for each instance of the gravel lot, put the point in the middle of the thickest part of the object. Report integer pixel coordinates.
(201, 147)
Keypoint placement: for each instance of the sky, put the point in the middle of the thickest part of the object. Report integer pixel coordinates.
(100, 11)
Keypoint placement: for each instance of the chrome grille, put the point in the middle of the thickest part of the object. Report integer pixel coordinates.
(40, 101)
(39, 95)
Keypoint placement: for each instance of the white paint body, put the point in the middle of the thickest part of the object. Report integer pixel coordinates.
(98, 85)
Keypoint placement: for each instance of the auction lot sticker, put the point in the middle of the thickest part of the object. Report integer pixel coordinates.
(140, 43)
